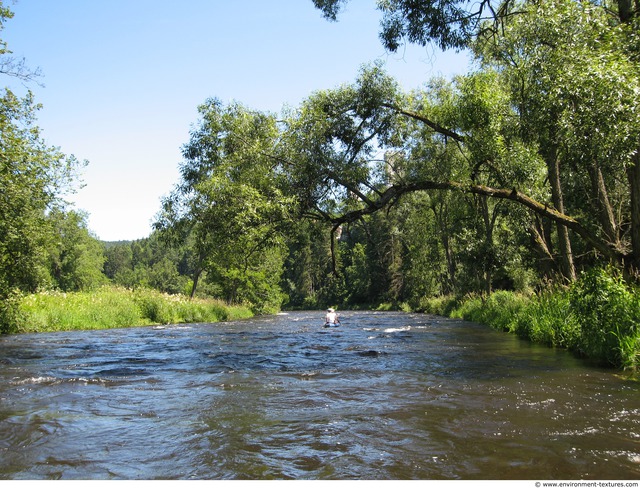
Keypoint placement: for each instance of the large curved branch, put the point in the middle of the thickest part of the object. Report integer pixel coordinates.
(433, 125)
(396, 191)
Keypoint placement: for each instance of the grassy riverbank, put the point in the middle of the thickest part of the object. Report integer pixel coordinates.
(598, 317)
(111, 307)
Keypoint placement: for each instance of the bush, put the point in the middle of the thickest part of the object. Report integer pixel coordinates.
(608, 313)
(10, 313)
(442, 305)
(154, 307)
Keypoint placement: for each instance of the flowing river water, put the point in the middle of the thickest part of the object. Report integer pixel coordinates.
(385, 396)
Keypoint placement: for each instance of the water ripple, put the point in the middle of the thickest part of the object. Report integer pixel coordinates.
(385, 396)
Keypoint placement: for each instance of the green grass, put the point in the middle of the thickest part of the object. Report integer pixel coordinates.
(598, 317)
(499, 310)
(548, 318)
(112, 307)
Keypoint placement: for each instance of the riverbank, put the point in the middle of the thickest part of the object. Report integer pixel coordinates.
(598, 317)
(111, 307)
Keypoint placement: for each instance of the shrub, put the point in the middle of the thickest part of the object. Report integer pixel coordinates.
(154, 307)
(10, 314)
(598, 317)
(608, 313)
(442, 305)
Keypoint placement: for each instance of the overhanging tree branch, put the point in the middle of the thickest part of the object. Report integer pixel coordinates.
(396, 191)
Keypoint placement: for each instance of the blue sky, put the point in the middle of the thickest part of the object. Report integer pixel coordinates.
(123, 80)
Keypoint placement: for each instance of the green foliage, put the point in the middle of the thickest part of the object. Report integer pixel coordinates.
(307, 264)
(444, 305)
(32, 178)
(118, 260)
(498, 310)
(548, 319)
(230, 207)
(10, 313)
(155, 307)
(250, 221)
(110, 307)
(358, 275)
(100, 309)
(161, 308)
(598, 317)
(76, 257)
(448, 23)
(608, 313)
(255, 288)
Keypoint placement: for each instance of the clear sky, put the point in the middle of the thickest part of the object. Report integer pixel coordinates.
(123, 80)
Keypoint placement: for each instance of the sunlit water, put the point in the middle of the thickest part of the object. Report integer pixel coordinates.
(385, 396)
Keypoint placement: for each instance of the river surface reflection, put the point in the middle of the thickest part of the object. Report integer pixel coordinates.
(385, 396)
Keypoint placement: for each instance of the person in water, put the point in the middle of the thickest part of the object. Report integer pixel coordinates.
(331, 318)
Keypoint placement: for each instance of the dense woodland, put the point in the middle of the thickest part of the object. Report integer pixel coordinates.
(521, 175)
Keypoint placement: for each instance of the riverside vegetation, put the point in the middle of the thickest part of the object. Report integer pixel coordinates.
(598, 317)
(111, 307)
(515, 186)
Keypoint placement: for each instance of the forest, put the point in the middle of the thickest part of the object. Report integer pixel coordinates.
(509, 195)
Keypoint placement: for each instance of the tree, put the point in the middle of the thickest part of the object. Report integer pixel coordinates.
(33, 179)
(576, 85)
(448, 23)
(118, 260)
(10, 65)
(76, 257)
(230, 201)
(452, 24)
(33, 176)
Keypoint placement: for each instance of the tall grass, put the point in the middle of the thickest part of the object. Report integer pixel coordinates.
(111, 307)
(598, 317)
(498, 310)
(443, 305)
(608, 313)
(548, 318)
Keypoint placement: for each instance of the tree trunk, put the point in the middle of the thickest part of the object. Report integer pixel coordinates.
(392, 193)
(626, 13)
(568, 269)
(604, 209)
(487, 259)
(541, 245)
(625, 10)
(196, 277)
(633, 174)
(334, 264)
(449, 286)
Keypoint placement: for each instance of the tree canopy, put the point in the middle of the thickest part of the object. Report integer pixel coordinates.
(520, 173)
(540, 143)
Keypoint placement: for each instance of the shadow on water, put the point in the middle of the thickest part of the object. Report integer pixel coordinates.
(385, 396)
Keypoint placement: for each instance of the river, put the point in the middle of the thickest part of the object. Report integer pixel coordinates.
(385, 396)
